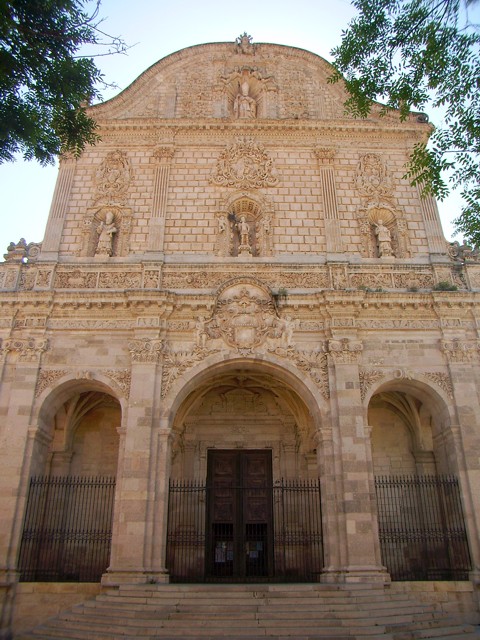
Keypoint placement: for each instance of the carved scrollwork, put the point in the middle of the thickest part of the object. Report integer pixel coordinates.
(145, 350)
(27, 349)
(122, 378)
(113, 178)
(458, 351)
(245, 165)
(345, 351)
(367, 378)
(47, 378)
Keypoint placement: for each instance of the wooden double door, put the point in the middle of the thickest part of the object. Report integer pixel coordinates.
(239, 535)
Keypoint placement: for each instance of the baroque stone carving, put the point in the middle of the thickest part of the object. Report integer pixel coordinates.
(145, 350)
(47, 378)
(27, 349)
(122, 378)
(315, 364)
(373, 179)
(458, 351)
(245, 165)
(367, 378)
(442, 380)
(76, 279)
(244, 45)
(345, 351)
(175, 363)
(245, 316)
(106, 230)
(113, 178)
(120, 280)
(244, 226)
(463, 253)
(22, 252)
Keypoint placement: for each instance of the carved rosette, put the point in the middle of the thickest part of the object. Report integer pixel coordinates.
(27, 350)
(245, 165)
(345, 351)
(458, 351)
(145, 350)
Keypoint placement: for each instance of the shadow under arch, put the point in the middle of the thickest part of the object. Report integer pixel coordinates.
(88, 393)
(219, 364)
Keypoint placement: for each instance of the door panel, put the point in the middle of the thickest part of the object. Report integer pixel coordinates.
(239, 508)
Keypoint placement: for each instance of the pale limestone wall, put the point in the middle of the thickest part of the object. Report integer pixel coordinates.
(357, 365)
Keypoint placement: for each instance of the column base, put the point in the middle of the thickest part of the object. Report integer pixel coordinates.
(117, 578)
(356, 575)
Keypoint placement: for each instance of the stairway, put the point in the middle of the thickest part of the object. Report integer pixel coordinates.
(251, 612)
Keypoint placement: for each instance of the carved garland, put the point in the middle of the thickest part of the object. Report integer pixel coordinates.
(245, 165)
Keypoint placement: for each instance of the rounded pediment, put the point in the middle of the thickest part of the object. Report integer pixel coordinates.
(231, 80)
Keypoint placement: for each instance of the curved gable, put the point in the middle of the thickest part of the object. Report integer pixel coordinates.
(234, 82)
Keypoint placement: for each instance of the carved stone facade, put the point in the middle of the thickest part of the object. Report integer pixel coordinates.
(238, 265)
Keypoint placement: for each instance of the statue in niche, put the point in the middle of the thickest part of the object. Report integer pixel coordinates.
(384, 240)
(244, 106)
(106, 231)
(244, 234)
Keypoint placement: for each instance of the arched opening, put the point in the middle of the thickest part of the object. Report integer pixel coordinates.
(421, 522)
(244, 493)
(69, 508)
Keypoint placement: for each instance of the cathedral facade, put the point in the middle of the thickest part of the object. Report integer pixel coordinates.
(245, 329)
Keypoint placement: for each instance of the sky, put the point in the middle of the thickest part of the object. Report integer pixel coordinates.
(155, 29)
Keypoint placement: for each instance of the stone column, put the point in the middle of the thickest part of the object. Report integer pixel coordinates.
(58, 210)
(163, 161)
(355, 491)
(135, 494)
(333, 237)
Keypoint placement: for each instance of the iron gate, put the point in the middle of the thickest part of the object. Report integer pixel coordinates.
(422, 529)
(67, 529)
(287, 549)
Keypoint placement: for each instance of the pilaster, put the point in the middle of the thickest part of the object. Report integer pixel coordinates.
(58, 210)
(163, 159)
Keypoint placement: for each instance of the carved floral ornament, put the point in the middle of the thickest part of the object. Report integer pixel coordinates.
(368, 377)
(121, 378)
(245, 165)
(113, 178)
(27, 349)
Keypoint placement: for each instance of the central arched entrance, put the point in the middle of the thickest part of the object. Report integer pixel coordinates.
(244, 491)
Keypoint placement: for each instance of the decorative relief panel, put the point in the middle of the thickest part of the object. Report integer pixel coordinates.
(122, 378)
(244, 165)
(460, 351)
(345, 351)
(382, 226)
(47, 378)
(146, 350)
(27, 349)
(367, 378)
(112, 179)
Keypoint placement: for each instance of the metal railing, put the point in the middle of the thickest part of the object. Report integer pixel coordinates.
(67, 529)
(286, 548)
(422, 528)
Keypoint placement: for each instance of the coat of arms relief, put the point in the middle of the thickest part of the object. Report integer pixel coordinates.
(245, 317)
